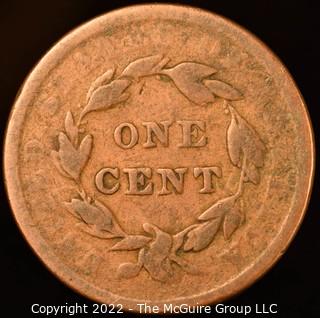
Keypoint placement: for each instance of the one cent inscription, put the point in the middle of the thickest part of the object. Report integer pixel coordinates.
(189, 132)
(137, 178)
(159, 154)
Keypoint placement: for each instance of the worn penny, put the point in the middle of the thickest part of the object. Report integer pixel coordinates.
(159, 154)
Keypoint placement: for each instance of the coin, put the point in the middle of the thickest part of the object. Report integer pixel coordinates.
(159, 154)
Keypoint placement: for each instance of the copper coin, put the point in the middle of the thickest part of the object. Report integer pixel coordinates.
(159, 154)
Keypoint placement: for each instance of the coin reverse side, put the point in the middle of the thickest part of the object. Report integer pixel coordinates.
(159, 154)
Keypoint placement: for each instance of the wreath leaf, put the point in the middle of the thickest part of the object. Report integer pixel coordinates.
(70, 159)
(195, 92)
(104, 79)
(85, 148)
(93, 231)
(250, 143)
(252, 147)
(71, 129)
(187, 76)
(128, 270)
(234, 141)
(242, 140)
(116, 229)
(179, 238)
(223, 90)
(142, 67)
(202, 236)
(251, 174)
(56, 161)
(91, 214)
(231, 222)
(190, 71)
(218, 209)
(131, 242)
(107, 95)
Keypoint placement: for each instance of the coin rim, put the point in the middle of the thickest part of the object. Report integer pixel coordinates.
(15, 193)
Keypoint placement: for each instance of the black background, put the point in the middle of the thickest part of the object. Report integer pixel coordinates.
(290, 28)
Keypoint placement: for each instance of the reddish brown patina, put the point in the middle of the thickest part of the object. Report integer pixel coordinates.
(159, 154)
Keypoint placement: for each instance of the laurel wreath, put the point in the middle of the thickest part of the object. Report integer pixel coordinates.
(157, 249)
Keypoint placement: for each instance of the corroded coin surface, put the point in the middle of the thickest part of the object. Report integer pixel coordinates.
(159, 154)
